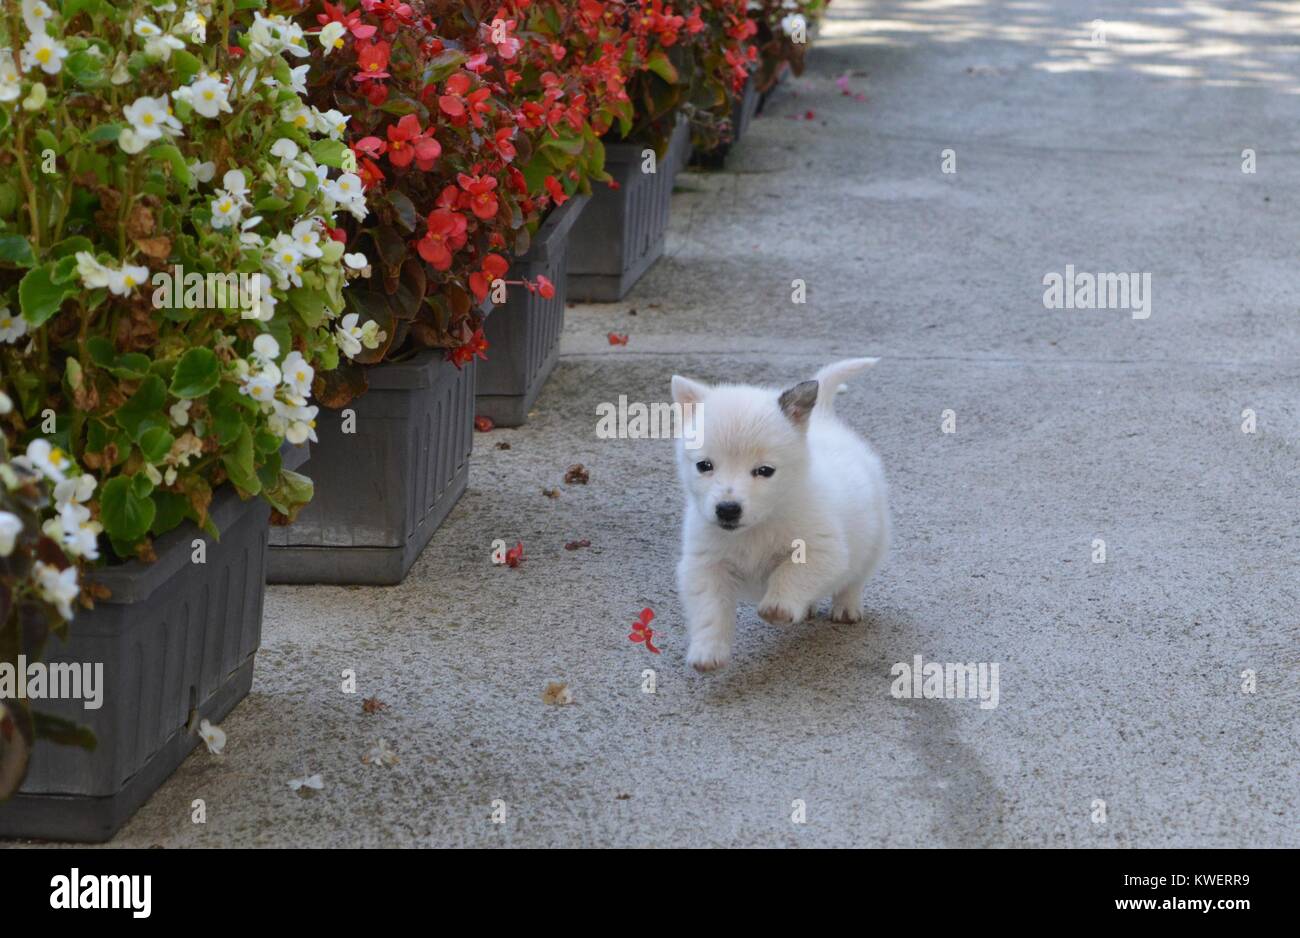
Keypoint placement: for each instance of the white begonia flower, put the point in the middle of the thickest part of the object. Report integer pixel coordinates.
(357, 261)
(306, 234)
(122, 282)
(298, 79)
(203, 172)
(271, 35)
(247, 236)
(36, 15)
(348, 335)
(298, 169)
(180, 413)
(298, 374)
(10, 527)
(236, 183)
(207, 94)
(228, 206)
(794, 24)
(298, 114)
(333, 123)
(10, 81)
(43, 52)
(314, 782)
(146, 28)
(75, 491)
(195, 25)
(381, 754)
(162, 47)
(35, 99)
(48, 459)
(226, 210)
(351, 338)
(263, 305)
(214, 737)
(286, 259)
(150, 118)
(6, 403)
(284, 148)
(261, 386)
(92, 273)
(75, 532)
(266, 349)
(57, 587)
(331, 36)
(12, 328)
(347, 192)
(295, 421)
(121, 74)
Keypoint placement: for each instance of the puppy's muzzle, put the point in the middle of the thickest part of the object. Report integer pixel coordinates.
(728, 514)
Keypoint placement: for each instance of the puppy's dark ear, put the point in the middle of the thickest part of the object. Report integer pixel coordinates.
(797, 403)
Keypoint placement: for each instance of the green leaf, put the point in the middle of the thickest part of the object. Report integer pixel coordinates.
(168, 153)
(197, 373)
(290, 493)
(69, 247)
(65, 270)
(16, 250)
(266, 442)
(156, 443)
(658, 63)
(125, 514)
(101, 350)
(130, 366)
(309, 304)
(145, 408)
(86, 69)
(40, 297)
(238, 460)
(105, 133)
(173, 508)
(186, 65)
(329, 152)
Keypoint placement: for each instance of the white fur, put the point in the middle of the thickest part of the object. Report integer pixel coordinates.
(828, 491)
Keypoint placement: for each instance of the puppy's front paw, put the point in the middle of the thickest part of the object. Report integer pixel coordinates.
(707, 653)
(781, 613)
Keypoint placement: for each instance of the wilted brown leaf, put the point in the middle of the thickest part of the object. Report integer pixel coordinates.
(557, 694)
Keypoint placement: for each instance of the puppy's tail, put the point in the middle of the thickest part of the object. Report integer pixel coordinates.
(831, 381)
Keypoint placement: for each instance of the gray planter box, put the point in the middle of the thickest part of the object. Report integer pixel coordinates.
(741, 114)
(383, 490)
(177, 641)
(622, 231)
(523, 334)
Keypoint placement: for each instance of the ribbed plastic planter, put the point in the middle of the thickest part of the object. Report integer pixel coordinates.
(383, 488)
(742, 113)
(622, 231)
(523, 334)
(176, 641)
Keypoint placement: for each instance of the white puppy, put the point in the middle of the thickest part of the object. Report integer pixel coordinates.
(785, 504)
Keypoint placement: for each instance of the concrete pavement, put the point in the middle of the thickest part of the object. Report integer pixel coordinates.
(1119, 681)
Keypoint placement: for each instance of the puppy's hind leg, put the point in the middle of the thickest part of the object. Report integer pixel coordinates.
(846, 605)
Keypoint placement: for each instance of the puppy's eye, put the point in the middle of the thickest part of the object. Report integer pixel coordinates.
(765, 472)
(704, 465)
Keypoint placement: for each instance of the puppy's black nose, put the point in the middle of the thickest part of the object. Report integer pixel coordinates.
(728, 512)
